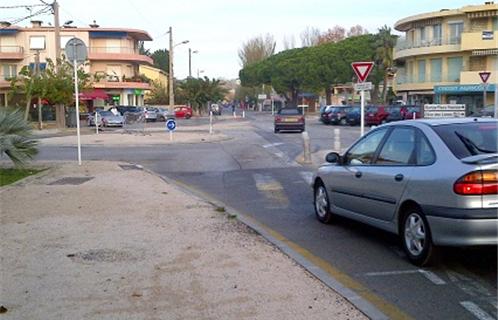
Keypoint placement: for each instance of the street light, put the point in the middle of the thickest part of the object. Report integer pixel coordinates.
(171, 84)
(190, 52)
(199, 72)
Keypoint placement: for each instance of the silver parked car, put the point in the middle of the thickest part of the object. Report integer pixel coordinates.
(432, 182)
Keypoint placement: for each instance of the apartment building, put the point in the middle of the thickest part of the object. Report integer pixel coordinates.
(114, 59)
(441, 54)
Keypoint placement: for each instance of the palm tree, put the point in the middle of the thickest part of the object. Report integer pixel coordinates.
(15, 137)
(385, 49)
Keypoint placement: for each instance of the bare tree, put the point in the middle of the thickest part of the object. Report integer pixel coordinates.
(336, 34)
(257, 49)
(289, 42)
(357, 30)
(310, 37)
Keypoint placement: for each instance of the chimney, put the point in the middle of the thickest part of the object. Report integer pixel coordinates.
(36, 23)
(94, 24)
(5, 24)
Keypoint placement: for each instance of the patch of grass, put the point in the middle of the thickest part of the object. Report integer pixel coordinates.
(11, 175)
(232, 216)
(220, 209)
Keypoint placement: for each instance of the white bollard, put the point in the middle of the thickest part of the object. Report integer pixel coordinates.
(210, 122)
(234, 115)
(306, 147)
(96, 125)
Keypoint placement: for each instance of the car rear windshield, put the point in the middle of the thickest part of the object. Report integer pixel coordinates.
(469, 139)
(106, 113)
(289, 112)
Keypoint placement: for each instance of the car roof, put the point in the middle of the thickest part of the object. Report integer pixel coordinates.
(445, 121)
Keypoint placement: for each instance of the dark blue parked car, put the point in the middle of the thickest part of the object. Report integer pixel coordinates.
(353, 116)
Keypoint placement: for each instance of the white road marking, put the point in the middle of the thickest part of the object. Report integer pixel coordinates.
(269, 145)
(431, 276)
(476, 310)
(307, 176)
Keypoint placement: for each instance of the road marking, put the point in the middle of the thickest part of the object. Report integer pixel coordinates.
(269, 145)
(307, 176)
(476, 310)
(272, 190)
(431, 276)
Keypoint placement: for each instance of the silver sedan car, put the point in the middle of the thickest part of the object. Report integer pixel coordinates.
(432, 182)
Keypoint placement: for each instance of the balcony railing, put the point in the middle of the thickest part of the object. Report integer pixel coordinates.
(123, 50)
(11, 49)
(404, 44)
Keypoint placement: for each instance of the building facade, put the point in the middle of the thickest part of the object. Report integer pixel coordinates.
(114, 59)
(441, 54)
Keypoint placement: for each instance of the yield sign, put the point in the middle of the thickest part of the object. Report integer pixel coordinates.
(484, 76)
(362, 69)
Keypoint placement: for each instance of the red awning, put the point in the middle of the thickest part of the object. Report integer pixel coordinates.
(94, 94)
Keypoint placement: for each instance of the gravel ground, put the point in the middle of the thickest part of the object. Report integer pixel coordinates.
(124, 244)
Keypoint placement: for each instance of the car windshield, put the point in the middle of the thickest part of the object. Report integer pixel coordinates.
(289, 112)
(106, 113)
(470, 139)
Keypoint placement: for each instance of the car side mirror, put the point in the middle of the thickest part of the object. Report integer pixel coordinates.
(333, 157)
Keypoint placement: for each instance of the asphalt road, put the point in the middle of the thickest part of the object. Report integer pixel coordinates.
(256, 174)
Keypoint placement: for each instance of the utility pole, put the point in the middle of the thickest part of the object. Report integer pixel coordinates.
(171, 92)
(59, 109)
(37, 74)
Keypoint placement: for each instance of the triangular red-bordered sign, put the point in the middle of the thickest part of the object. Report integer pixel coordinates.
(362, 69)
(484, 76)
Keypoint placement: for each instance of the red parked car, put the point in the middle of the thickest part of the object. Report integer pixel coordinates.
(376, 115)
(183, 112)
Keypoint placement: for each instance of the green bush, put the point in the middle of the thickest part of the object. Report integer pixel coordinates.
(16, 140)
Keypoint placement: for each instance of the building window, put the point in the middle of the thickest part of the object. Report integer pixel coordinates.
(436, 70)
(456, 29)
(495, 23)
(455, 65)
(410, 72)
(437, 34)
(421, 71)
(9, 71)
(422, 35)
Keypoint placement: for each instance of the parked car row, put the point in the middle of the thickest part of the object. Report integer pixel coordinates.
(374, 114)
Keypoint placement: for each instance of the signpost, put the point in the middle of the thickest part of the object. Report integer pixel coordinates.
(76, 51)
(484, 78)
(171, 126)
(362, 70)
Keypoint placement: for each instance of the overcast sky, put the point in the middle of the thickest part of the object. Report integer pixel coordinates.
(217, 28)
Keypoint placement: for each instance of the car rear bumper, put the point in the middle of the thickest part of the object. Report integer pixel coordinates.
(463, 227)
(289, 126)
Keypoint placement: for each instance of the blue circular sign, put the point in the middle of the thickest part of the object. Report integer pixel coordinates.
(171, 125)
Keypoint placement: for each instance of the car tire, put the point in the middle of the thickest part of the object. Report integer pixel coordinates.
(384, 121)
(275, 130)
(187, 116)
(416, 239)
(343, 122)
(321, 203)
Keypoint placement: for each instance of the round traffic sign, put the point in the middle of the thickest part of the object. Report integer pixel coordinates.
(76, 50)
(171, 124)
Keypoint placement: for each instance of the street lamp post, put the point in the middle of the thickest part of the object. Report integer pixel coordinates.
(199, 72)
(190, 52)
(171, 76)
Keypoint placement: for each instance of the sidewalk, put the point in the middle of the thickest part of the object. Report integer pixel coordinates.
(124, 244)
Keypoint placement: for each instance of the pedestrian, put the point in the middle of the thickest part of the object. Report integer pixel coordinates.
(233, 106)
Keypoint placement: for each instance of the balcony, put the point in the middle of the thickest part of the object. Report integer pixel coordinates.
(405, 48)
(474, 41)
(118, 54)
(11, 53)
(105, 81)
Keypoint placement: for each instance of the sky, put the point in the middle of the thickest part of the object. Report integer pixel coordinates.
(218, 28)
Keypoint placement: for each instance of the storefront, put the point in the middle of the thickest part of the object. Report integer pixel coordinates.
(471, 95)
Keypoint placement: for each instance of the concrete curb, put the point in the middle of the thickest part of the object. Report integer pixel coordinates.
(359, 302)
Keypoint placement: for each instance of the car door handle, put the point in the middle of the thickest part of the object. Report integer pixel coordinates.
(399, 177)
(358, 174)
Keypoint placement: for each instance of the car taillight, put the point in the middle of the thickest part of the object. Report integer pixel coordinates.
(477, 183)
(278, 118)
(301, 119)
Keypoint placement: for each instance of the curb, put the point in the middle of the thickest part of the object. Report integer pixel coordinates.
(356, 300)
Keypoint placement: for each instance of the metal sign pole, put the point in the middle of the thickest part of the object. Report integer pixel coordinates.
(362, 113)
(210, 122)
(96, 125)
(75, 64)
(484, 94)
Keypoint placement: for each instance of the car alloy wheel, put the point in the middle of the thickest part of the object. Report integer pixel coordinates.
(343, 122)
(416, 238)
(321, 203)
